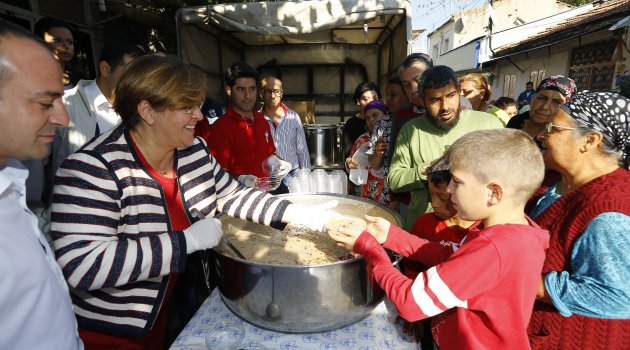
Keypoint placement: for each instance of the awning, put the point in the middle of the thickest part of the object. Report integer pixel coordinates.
(624, 22)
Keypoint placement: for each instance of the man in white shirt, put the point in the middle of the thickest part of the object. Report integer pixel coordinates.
(34, 300)
(89, 104)
(286, 129)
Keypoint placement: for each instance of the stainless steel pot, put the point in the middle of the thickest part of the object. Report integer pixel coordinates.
(310, 299)
(323, 144)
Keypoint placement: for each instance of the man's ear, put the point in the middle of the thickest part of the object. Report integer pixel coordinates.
(104, 68)
(146, 112)
(495, 193)
(228, 91)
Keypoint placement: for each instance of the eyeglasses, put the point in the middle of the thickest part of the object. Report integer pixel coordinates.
(191, 110)
(551, 128)
(276, 92)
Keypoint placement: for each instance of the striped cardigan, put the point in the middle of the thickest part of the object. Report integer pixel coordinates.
(111, 230)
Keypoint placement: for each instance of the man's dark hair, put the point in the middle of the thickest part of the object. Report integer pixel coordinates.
(435, 78)
(44, 25)
(529, 83)
(114, 53)
(366, 86)
(414, 58)
(439, 172)
(9, 29)
(241, 70)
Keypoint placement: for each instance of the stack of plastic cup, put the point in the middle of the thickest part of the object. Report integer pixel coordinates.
(319, 181)
(304, 177)
(294, 186)
(339, 180)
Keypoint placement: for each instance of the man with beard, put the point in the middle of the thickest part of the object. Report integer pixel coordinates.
(423, 140)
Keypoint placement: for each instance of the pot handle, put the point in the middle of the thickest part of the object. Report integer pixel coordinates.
(395, 258)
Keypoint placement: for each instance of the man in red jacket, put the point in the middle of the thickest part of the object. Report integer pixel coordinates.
(241, 139)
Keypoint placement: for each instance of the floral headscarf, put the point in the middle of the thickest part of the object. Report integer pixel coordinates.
(564, 85)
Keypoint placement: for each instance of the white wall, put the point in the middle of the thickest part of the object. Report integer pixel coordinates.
(554, 59)
(475, 21)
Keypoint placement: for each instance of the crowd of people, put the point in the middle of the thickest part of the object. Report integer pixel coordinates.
(514, 227)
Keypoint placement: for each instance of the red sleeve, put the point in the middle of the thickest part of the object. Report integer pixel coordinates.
(416, 248)
(469, 272)
(396, 285)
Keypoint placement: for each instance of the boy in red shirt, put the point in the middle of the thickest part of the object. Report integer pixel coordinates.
(443, 225)
(484, 292)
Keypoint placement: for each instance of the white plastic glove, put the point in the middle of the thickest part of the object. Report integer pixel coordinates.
(203, 234)
(248, 180)
(314, 217)
(285, 168)
(276, 167)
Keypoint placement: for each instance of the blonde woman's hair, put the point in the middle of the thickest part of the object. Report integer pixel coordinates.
(507, 155)
(481, 83)
(163, 81)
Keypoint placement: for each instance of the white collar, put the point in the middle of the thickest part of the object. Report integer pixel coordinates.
(94, 94)
(12, 172)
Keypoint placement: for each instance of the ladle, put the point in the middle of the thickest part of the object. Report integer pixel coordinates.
(273, 309)
(196, 213)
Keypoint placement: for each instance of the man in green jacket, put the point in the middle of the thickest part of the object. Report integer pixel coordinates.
(424, 139)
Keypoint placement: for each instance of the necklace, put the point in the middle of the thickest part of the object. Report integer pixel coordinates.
(149, 159)
(160, 170)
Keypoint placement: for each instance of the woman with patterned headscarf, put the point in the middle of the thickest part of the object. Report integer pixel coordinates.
(584, 294)
(551, 93)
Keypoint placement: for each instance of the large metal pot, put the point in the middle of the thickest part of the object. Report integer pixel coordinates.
(310, 299)
(324, 144)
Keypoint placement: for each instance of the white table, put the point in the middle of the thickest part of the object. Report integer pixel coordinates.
(377, 331)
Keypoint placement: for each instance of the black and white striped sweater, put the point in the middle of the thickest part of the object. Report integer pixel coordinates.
(111, 231)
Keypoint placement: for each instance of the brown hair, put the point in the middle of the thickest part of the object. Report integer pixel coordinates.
(508, 155)
(481, 83)
(163, 81)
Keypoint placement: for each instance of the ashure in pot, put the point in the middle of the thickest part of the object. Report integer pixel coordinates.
(304, 299)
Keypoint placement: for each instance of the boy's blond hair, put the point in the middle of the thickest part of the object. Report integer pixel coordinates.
(507, 155)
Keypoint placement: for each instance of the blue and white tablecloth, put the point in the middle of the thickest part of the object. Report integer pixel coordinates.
(378, 331)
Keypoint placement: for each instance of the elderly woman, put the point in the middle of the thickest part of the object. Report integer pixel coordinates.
(121, 211)
(551, 93)
(584, 296)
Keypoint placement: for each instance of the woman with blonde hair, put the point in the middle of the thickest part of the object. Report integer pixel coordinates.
(122, 206)
(477, 90)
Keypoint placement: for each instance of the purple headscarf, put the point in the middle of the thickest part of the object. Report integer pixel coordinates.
(376, 104)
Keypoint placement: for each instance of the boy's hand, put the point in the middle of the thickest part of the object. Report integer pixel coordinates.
(377, 227)
(344, 237)
(347, 237)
